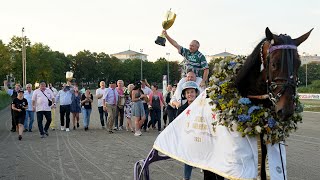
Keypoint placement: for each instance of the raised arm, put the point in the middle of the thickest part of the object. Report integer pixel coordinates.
(171, 41)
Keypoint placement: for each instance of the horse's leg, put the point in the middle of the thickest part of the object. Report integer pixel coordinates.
(208, 175)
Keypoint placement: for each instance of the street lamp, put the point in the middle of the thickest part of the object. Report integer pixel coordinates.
(168, 54)
(23, 50)
(306, 61)
(141, 51)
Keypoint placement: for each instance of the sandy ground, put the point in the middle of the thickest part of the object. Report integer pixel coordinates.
(95, 154)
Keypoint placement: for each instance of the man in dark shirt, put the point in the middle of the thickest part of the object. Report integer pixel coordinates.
(13, 93)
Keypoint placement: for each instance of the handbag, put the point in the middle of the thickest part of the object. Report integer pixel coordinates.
(49, 101)
(121, 102)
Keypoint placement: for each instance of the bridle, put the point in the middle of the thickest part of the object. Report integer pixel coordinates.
(285, 82)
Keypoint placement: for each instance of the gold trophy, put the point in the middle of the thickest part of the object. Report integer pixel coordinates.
(69, 75)
(166, 24)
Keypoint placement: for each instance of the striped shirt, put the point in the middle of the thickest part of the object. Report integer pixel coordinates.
(194, 61)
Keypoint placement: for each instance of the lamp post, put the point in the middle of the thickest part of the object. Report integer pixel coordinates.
(304, 54)
(141, 51)
(168, 54)
(23, 50)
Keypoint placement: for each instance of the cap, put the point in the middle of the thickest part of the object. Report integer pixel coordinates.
(189, 85)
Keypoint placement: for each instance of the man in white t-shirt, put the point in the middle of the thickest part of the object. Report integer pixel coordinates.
(145, 87)
(40, 104)
(99, 94)
(176, 98)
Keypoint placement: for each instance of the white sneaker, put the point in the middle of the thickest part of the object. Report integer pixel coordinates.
(67, 129)
(62, 128)
(138, 133)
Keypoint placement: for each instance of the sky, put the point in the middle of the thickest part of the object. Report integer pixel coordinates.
(112, 26)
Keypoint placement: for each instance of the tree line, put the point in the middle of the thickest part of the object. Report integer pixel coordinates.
(88, 67)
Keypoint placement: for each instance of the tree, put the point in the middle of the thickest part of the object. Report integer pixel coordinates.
(5, 60)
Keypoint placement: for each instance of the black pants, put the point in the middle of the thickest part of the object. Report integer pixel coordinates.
(121, 111)
(13, 121)
(40, 115)
(65, 111)
(146, 110)
(208, 175)
(172, 113)
(102, 113)
(155, 118)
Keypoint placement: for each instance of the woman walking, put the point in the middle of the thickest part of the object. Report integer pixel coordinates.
(19, 106)
(75, 108)
(86, 107)
(128, 106)
(138, 112)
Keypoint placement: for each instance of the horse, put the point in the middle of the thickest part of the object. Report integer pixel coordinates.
(269, 76)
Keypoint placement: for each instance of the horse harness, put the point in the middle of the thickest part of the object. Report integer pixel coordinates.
(288, 81)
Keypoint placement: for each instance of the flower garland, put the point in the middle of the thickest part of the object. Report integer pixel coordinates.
(240, 114)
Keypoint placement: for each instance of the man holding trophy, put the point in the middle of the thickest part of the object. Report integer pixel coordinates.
(193, 59)
(64, 98)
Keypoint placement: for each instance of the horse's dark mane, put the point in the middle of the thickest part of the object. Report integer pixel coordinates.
(248, 76)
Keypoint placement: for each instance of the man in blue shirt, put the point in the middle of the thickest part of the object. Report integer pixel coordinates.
(29, 112)
(110, 101)
(64, 98)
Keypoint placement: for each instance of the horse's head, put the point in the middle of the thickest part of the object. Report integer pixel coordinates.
(281, 61)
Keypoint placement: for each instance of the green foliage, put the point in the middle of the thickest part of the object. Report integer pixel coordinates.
(314, 87)
(5, 99)
(88, 67)
(313, 73)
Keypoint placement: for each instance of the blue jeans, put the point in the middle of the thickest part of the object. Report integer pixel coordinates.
(29, 115)
(40, 115)
(86, 116)
(187, 171)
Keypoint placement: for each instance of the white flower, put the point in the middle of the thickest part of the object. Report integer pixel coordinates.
(247, 130)
(234, 125)
(258, 129)
(265, 114)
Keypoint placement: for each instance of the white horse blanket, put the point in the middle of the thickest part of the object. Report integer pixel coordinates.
(190, 139)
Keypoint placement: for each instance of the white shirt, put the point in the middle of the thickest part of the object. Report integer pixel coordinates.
(177, 94)
(41, 100)
(98, 92)
(146, 90)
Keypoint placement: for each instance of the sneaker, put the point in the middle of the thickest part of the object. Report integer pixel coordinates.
(53, 129)
(86, 128)
(78, 125)
(67, 130)
(62, 128)
(25, 130)
(138, 133)
(42, 136)
(20, 137)
(74, 127)
(46, 133)
(120, 128)
(115, 128)
(103, 127)
(30, 130)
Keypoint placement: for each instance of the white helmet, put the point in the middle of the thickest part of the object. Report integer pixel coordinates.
(189, 85)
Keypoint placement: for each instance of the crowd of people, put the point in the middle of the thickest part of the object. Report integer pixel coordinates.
(139, 104)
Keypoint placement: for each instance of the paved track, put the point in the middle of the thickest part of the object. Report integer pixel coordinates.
(98, 155)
